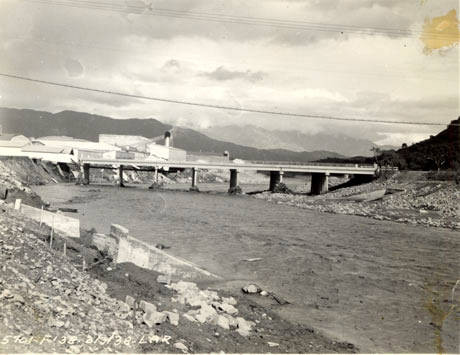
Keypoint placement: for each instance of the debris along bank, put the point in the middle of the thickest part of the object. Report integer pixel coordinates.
(83, 302)
(407, 197)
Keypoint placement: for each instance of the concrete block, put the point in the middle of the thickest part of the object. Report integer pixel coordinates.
(105, 243)
(118, 231)
(67, 226)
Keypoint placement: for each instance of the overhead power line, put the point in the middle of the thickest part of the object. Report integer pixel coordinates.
(220, 107)
(245, 20)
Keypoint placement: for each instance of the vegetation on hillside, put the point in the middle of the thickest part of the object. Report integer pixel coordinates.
(440, 152)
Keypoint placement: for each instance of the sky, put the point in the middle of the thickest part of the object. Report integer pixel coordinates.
(326, 63)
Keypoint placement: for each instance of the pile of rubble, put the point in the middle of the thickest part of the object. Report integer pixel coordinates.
(48, 304)
(416, 202)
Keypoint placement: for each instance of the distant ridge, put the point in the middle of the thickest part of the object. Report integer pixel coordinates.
(261, 138)
(82, 125)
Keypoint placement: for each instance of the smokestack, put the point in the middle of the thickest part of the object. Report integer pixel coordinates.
(167, 138)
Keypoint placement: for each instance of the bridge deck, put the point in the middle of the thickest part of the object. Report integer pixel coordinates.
(260, 166)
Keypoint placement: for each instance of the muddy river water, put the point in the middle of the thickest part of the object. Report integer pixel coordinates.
(383, 286)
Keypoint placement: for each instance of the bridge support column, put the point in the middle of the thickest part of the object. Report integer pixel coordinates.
(120, 176)
(85, 174)
(234, 188)
(275, 179)
(194, 180)
(319, 183)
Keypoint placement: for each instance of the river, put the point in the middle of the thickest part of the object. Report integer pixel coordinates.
(356, 279)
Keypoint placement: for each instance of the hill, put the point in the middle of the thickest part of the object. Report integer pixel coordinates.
(33, 123)
(441, 151)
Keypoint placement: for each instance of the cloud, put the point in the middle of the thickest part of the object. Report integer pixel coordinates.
(223, 74)
(222, 63)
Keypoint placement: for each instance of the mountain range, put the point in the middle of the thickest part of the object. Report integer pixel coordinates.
(34, 123)
(261, 138)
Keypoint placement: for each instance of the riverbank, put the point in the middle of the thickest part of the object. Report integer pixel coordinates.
(407, 197)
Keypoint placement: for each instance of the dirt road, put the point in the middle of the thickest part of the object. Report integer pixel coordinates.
(383, 286)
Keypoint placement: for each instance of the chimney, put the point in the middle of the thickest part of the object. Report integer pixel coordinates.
(167, 138)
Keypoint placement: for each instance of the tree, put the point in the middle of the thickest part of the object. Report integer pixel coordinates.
(377, 151)
(438, 156)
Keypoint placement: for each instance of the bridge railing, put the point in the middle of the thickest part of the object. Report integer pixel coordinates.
(311, 163)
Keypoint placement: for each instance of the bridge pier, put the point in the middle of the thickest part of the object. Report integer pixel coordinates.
(120, 176)
(155, 176)
(275, 179)
(85, 174)
(319, 183)
(234, 188)
(194, 180)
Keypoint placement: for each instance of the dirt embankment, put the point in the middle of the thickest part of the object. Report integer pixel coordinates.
(16, 176)
(409, 197)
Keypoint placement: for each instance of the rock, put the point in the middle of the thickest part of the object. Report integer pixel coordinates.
(173, 318)
(228, 308)
(190, 317)
(181, 346)
(232, 322)
(229, 300)
(244, 327)
(264, 293)
(6, 294)
(123, 307)
(18, 298)
(251, 289)
(153, 318)
(53, 322)
(223, 322)
(272, 345)
(164, 279)
(130, 301)
(147, 307)
(206, 314)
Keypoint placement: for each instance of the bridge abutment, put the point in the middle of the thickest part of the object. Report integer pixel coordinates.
(319, 183)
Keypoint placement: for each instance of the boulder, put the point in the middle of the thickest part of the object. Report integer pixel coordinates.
(130, 301)
(181, 346)
(223, 322)
(251, 289)
(147, 307)
(244, 326)
(154, 318)
(206, 314)
(172, 317)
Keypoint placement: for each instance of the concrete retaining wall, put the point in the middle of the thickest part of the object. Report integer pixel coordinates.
(67, 226)
(125, 248)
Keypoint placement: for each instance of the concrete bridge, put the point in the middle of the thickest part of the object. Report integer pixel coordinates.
(319, 171)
